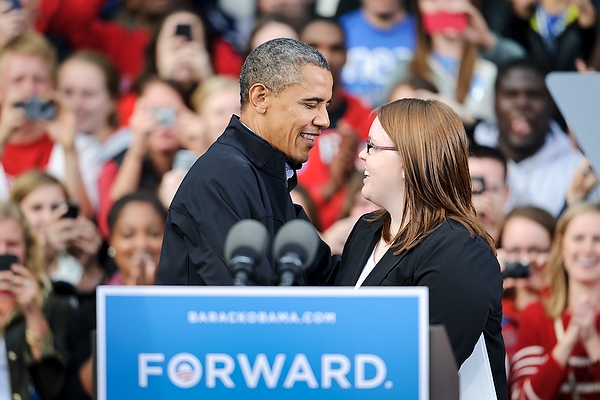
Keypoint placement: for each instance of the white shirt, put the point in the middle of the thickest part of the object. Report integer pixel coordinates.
(92, 155)
(542, 179)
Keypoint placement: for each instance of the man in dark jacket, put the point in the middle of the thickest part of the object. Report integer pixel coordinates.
(249, 171)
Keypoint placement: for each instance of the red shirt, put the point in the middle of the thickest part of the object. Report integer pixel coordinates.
(20, 158)
(536, 375)
(77, 21)
(510, 326)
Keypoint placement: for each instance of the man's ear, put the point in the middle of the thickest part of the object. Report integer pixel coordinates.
(258, 96)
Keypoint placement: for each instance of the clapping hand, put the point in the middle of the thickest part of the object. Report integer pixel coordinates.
(143, 271)
(583, 181)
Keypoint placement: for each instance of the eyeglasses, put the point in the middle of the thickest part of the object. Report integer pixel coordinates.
(372, 146)
(532, 252)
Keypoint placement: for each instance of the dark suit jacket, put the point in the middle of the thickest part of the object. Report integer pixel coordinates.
(240, 177)
(463, 277)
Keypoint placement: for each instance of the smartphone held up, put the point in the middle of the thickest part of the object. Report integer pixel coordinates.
(6, 260)
(72, 210)
(184, 30)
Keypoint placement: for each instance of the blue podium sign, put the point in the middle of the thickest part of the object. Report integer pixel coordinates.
(262, 343)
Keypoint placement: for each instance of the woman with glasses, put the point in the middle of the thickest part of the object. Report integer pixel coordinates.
(426, 232)
(523, 245)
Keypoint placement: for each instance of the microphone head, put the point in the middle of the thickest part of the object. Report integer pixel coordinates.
(297, 236)
(247, 237)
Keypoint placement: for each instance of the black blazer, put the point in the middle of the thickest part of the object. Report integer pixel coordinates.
(463, 277)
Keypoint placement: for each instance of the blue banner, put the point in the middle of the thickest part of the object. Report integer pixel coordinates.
(262, 343)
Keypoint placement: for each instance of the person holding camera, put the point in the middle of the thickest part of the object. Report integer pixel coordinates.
(25, 86)
(558, 347)
(183, 49)
(523, 244)
(33, 319)
(69, 240)
(35, 132)
(214, 102)
(151, 153)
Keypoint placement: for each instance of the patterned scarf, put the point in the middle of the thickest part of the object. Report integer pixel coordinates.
(552, 26)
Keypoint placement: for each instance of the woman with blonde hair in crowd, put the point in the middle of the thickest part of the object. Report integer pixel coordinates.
(33, 320)
(70, 243)
(214, 101)
(558, 348)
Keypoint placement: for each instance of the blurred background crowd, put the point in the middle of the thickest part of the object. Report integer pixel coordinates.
(105, 104)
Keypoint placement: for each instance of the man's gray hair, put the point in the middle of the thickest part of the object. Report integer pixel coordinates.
(277, 65)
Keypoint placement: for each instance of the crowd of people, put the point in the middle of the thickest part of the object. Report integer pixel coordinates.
(134, 134)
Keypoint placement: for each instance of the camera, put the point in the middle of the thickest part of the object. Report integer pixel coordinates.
(515, 270)
(478, 184)
(38, 109)
(165, 117)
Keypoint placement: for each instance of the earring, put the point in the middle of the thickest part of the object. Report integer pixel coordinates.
(111, 252)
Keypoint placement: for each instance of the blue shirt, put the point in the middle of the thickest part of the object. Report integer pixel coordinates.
(374, 53)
